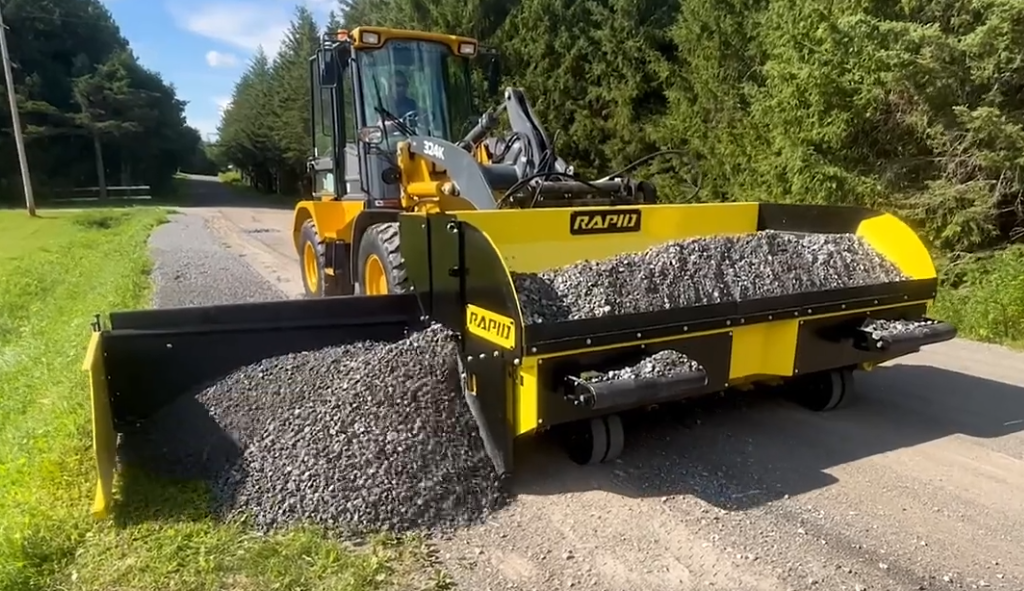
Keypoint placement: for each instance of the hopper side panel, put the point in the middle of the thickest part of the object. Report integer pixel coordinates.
(534, 240)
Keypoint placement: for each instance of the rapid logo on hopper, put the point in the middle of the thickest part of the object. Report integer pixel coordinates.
(494, 328)
(604, 221)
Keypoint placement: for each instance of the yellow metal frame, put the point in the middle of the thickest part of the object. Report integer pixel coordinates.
(104, 439)
(759, 352)
(333, 220)
(385, 34)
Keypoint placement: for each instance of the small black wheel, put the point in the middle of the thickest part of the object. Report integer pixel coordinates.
(594, 441)
(315, 281)
(824, 391)
(616, 438)
(381, 265)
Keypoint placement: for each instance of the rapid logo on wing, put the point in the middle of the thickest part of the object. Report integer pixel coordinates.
(604, 221)
(494, 328)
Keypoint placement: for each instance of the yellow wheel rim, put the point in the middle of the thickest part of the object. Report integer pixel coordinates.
(311, 266)
(375, 280)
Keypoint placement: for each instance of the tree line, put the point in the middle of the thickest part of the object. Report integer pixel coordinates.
(265, 130)
(911, 106)
(91, 114)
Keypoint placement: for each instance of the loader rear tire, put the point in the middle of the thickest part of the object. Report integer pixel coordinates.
(825, 391)
(312, 262)
(595, 441)
(381, 265)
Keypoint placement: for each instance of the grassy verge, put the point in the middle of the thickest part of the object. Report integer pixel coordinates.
(57, 272)
(983, 297)
(232, 177)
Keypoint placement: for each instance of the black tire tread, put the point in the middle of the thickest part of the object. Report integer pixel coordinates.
(330, 285)
(388, 237)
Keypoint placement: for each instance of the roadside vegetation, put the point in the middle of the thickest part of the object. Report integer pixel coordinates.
(168, 541)
(92, 115)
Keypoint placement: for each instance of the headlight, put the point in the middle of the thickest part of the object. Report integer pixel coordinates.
(467, 49)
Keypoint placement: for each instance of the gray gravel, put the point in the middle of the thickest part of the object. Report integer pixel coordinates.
(702, 271)
(192, 268)
(365, 436)
(882, 328)
(663, 364)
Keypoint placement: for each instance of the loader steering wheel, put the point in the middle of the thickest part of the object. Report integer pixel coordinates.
(410, 119)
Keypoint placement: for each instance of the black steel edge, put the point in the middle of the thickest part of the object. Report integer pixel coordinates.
(913, 289)
(284, 314)
(929, 335)
(817, 219)
(543, 339)
(642, 391)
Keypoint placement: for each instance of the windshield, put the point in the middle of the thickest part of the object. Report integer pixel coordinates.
(420, 82)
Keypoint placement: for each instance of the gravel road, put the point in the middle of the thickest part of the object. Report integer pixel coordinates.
(919, 484)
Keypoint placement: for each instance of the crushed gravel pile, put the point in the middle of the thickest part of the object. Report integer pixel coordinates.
(367, 436)
(702, 271)
(663, 364)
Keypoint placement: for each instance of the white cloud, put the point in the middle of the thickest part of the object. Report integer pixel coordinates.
(242, 24)
(223, 102)
(216, 59)
(207, 127)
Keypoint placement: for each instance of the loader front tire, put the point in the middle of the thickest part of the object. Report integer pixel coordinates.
(316, 282)
(381, 265)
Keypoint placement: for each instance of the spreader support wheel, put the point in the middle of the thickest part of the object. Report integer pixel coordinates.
(595, 441)
(825, 391)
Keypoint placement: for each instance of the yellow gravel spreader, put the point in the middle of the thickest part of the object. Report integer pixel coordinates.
(520, 377)
(471, 233)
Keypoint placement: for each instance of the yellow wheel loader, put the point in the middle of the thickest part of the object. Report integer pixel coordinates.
(391, 108)
(422, 217)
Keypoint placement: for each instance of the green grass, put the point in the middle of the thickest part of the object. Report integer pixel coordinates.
(232, 177)
(57, 272)
(983, 296)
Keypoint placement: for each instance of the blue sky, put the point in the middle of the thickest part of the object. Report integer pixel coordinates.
(202, 46)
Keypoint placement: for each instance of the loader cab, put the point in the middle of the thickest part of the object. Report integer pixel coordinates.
(374, 87)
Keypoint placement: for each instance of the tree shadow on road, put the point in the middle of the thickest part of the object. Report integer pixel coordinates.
(743, 450)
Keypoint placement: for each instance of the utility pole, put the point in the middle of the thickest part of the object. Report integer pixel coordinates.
(26, 180)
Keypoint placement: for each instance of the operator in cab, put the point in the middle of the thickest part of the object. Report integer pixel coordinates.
(403, 103)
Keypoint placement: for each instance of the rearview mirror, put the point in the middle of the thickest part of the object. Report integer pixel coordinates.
(327, 61)
(372, 135)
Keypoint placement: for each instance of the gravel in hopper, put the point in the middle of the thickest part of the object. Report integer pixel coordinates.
(667, 363)
(364, 436)
(702, 271)
(889, 328)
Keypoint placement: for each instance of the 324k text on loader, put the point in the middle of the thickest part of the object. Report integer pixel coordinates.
(571, 300)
